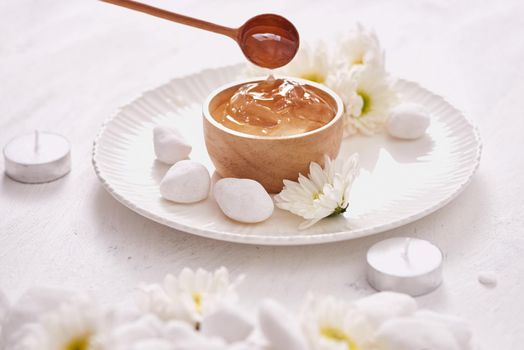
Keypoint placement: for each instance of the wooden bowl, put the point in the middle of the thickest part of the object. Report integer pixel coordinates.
(269, 159)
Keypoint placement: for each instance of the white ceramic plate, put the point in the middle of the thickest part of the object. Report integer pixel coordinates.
(400, 181)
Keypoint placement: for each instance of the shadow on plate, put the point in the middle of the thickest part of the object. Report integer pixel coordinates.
(402, 151)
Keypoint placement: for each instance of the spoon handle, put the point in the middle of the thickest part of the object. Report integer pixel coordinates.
(175, 17)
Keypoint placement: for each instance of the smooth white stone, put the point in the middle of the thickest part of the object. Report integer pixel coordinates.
(229, 323)
(147, 326)
(409, 333)
(170, 146)
(186, 182)
(380, 307)
(247, 345)
(488, 278)
(408, 121)
(148, 332)
(456, 326)
(183, 337)
(280, 328)
(243, 200)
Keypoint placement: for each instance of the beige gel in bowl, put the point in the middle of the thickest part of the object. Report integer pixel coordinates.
(269, 159)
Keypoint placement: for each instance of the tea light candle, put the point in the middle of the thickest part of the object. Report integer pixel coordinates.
(406, 265)
(37, 157)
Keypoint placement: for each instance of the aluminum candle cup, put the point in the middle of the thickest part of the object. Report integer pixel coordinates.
(37, 157)
(405, 265)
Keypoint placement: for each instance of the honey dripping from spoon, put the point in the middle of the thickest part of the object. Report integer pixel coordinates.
(267, 40)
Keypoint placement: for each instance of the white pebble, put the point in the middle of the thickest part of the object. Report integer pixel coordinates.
(409, 333)
(186, 182)
(460, 330)
(380, 307)
(229, 323)
(280, 327)
(243, 200)
(488, 278)
(408, 121)
(170, 146)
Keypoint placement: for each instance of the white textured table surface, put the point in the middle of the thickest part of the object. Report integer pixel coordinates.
(66, 65)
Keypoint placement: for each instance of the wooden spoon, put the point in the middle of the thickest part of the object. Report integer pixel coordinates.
(267, 40)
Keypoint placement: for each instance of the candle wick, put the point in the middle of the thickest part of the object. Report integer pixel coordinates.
(37, 141)
(405, 253)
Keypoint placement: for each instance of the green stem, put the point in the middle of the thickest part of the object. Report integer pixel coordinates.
(338, 210)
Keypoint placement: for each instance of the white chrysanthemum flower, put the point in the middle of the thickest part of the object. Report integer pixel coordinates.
(368, 97)
(190, 296)
(323, 193)
(360, 47)
(331, 324)
(312, 62)
(74, 325)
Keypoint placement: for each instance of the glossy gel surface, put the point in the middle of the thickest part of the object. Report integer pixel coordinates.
(274, 107)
